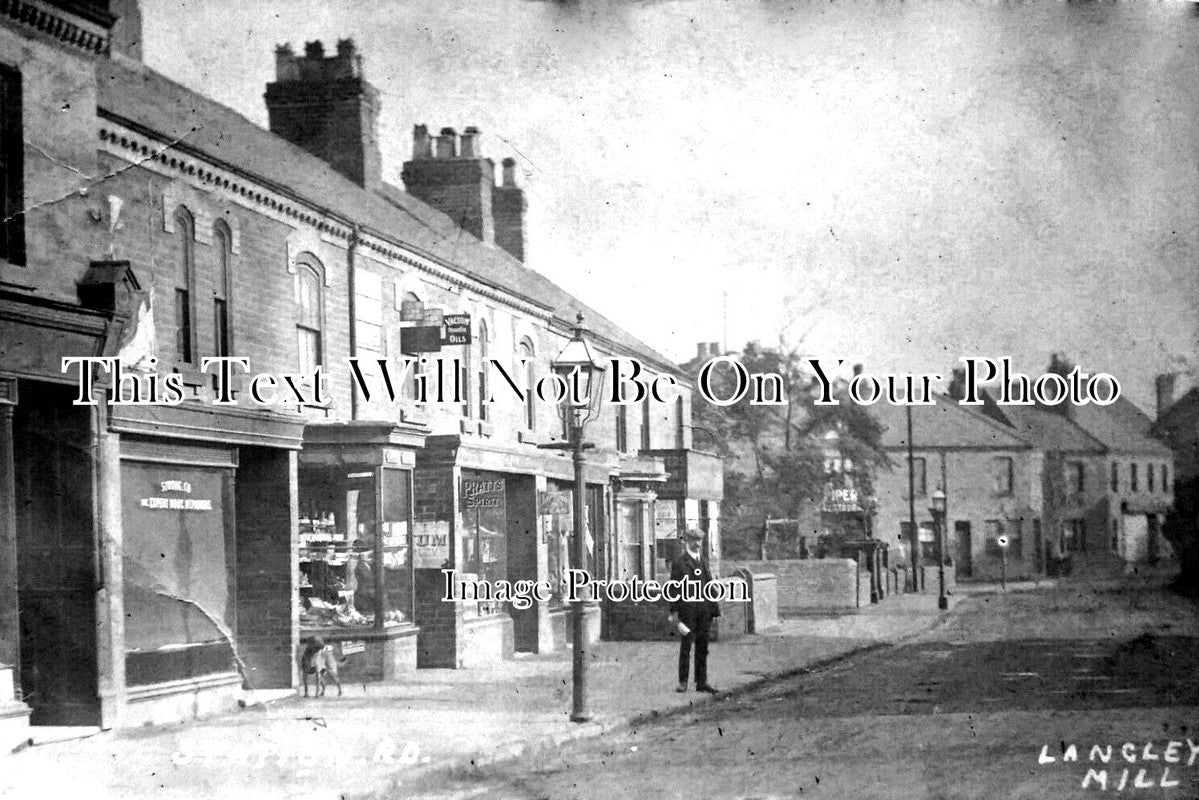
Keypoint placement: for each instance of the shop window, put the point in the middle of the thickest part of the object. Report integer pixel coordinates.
(1115, 477)
(482, 373)
(355, 548)
(185, 281)
(222, 243)
(309, 318)
(1001, 475)
(530, 378)
(177, 558)
(485, 536)
(12, 167)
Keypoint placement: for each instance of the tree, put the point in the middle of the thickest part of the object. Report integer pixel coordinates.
(777, 454)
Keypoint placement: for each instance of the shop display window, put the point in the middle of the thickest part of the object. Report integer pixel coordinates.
(485, 539)
(355, 547)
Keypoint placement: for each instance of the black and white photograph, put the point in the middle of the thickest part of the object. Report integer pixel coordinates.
(556, 399)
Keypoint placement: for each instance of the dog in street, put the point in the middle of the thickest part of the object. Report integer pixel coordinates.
(319, 660)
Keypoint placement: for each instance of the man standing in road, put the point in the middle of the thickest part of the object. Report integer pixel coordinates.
(693, 618)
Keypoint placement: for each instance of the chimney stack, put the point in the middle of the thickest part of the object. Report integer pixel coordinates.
(701, 350)
(1164, 384)
(449, 173)
(957, 384)
(713, 348)
(327, 107)
(126, 34)
(508, 203)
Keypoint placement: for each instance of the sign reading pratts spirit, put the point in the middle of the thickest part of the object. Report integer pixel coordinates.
(176, 503)
(483, 493)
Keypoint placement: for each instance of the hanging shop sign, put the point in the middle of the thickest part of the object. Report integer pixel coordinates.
(483, 493)
(430, 544)
(457, 329)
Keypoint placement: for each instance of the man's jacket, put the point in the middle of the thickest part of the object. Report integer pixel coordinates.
(694, 613)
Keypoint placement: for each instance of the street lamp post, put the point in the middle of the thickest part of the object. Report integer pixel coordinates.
(937, 509)
(583, 375)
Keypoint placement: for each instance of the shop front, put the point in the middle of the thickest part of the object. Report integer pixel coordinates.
(494, 513)
(355, 588)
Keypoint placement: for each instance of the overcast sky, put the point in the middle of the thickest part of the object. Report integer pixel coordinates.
(900, 183)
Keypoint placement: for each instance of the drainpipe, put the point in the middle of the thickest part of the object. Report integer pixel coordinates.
(352, 283)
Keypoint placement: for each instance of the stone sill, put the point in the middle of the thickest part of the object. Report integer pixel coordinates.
(153, 690)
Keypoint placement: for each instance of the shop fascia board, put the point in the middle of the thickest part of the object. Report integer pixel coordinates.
(201, 422)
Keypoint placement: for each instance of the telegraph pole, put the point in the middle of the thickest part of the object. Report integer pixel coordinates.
(913, 535)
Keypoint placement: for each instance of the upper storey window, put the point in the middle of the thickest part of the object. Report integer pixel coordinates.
(309, 317)
(12, 168)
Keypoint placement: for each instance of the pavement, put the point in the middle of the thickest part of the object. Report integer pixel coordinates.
(1018, 695)
(375, 738)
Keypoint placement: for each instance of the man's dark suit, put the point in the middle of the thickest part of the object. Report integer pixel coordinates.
(696, 615)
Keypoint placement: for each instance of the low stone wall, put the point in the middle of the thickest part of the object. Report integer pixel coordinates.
(642, 622)
(813, 585)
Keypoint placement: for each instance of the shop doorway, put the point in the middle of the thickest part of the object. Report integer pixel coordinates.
(56, 556)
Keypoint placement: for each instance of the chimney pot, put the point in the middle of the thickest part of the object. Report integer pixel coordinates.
(701, 350)
(345, 47)
(314, 49)
(713, 348)
(1164, 384)
(469, 143)
(508, 167)
(857, 370)
(447, 143)
(422, 142)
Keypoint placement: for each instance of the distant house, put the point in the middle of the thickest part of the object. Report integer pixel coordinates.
(1087, 484)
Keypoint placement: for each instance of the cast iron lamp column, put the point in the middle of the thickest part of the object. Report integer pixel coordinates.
(937, 509)
(584, 377)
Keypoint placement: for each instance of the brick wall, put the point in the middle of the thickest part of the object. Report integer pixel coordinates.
(265, 597)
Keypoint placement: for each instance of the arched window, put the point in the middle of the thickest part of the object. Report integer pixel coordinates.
(309, 317)
(411, 309)
(525, 350)
(222, 242)
(482, 372)
(185, 281)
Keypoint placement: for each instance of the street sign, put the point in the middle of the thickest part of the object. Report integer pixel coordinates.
(457, 329)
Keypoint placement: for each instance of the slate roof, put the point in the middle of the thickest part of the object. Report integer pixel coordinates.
(945, 424)
(136, 95)
(1121, 427)
(1050, 430)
